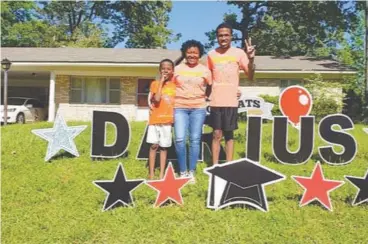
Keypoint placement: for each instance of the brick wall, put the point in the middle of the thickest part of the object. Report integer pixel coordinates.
(62, 87)
(128, 92)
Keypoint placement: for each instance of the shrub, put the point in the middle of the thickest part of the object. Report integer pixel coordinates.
(328, 96)
(321, 106)
(275, 101)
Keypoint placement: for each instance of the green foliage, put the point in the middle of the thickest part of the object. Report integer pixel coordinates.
(328, 96)
(147, 26)
(86, 24)
(275, 101)
(352, 54)
(14, 13)
(281, 39)
(56, 202)
(323, 107)
(292, 28)
(33, 33)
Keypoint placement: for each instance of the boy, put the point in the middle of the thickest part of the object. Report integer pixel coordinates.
(161, 116)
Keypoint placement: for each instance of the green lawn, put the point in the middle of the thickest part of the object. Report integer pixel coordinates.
(56, 202)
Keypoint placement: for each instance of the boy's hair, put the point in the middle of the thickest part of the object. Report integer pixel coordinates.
(192, 43)
(167, 60)
(224, 25)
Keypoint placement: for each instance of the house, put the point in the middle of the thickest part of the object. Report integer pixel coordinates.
(77, 81)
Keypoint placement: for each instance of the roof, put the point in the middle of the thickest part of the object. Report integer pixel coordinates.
(154, 56)
(88, 55)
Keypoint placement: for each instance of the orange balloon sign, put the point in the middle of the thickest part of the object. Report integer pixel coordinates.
(295, 101)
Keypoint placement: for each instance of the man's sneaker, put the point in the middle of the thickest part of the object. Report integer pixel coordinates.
(192, 178)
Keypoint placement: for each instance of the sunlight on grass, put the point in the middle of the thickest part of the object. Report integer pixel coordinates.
(56, 202)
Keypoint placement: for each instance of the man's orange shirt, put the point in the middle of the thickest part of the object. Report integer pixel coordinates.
(163, 111)
(225, 69)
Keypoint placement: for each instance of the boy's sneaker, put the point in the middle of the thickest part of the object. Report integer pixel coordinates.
(192, 179)
(183, 175)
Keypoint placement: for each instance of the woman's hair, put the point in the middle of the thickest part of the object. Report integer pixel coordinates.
(224, 25)
(192, 43)
(167, 60)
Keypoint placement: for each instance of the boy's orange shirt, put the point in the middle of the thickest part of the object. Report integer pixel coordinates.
(163, 111)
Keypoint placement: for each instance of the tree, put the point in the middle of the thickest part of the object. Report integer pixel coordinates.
(13, 13)
(366, 52)
(352, 54)
(289, 28)
(143, 24)
(33, 33)
(89, 24)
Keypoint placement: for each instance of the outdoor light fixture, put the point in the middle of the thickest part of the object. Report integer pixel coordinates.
(5, 64)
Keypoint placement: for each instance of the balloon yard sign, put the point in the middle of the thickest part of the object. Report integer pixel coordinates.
(238, 182)
(295, 102)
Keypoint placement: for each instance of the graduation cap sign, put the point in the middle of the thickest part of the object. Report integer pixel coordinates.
(239, 182)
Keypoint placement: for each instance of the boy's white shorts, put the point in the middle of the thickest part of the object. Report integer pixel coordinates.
(159, 134)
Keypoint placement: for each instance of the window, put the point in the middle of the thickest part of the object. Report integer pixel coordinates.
(95, 90)
(114, 90)
(143, 90)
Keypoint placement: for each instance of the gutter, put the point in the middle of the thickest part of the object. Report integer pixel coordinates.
(155, 65)
(85, 64)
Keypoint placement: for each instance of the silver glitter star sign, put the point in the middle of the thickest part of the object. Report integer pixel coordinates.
(60, 137)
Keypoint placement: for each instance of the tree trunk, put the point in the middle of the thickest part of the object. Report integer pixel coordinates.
(246, 18)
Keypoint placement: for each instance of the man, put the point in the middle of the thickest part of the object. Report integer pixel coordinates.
(225, 63)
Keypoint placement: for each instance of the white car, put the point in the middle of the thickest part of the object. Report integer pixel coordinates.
(24, 109)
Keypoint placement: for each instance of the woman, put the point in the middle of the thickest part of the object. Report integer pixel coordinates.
(191, 79)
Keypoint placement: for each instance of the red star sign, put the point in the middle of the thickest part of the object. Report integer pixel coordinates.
(169, 187)
(317, 188)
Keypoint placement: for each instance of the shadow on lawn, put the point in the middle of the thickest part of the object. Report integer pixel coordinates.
(167, 203)
(174, 163)
(61, 155)
(271, 158)
(125, 155)
(350, 199)
(116, 205)
(297, 198)
(242, 206)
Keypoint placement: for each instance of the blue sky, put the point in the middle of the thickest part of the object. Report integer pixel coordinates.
(193, 18)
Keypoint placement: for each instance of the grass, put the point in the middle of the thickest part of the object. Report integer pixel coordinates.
(56, 202)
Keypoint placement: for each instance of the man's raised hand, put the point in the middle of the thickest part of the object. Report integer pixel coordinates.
(249, 49)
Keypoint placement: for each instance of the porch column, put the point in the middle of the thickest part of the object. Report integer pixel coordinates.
(52, 97)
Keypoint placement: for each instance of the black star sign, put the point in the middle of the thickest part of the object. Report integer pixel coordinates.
(362, 185)
(119, 189)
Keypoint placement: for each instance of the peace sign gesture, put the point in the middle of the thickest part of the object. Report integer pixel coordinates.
(249, 49)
